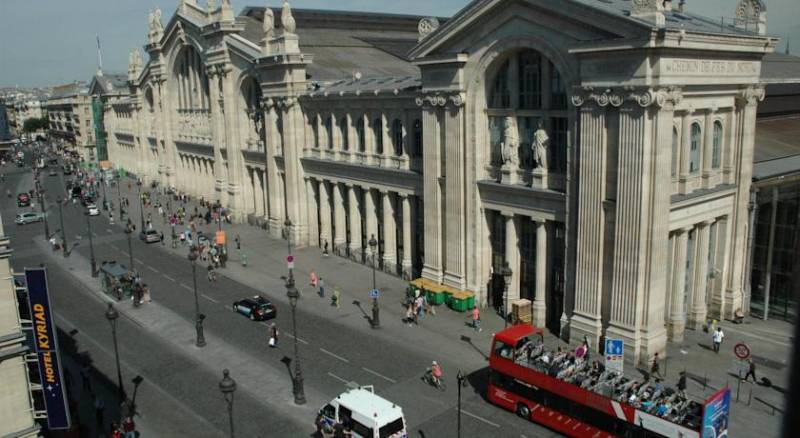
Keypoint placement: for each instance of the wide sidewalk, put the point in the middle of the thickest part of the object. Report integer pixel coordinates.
(770, 341)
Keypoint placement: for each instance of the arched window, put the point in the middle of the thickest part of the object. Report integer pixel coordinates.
(397, 136)
(329, 131)
(694, 148)
(343, 128)
(674, 152)
(500, 96)
(377, 132)
(361, 135)
(716, 152)
(417, 138)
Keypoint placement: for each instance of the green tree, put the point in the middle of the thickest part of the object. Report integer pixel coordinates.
(35, 124)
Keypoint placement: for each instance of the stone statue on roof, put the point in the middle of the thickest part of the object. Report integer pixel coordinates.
(211, 5)
(269, 22)
(150, 19)
(157, 20)
(287, 20)
(540, 143)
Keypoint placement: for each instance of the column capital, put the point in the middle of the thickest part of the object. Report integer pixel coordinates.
(320, 180)
(709, 222)
(539, 221)
(507, 214)
(686, 229)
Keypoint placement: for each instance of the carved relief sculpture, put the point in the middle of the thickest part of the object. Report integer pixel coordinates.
(541, 141)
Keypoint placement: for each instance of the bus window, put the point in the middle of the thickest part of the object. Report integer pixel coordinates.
(361, 430)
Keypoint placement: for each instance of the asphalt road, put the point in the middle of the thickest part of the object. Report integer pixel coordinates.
(181, 396)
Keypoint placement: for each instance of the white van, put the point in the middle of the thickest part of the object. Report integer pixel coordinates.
(370, 415)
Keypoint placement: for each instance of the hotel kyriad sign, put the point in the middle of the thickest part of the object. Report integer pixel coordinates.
(46, 343)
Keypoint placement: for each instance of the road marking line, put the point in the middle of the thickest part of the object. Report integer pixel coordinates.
(210, 299)
(338, 378)
(480, 418)
(334, 355)
(138, 261)
(109, 231)
(186, 287)
(168, 277)
(378, 374)
(152, 269)
(113, 246)
(300, 340)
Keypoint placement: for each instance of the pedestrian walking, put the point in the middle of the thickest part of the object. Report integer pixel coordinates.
(115, 431)
(682, 384)
(335, 297)
(325, 249)
(321, 287)
(129, 428)
(99, 412)
(751, 370)
(476, 319)
(717, 338)
(161, 236)
(273, 335)
(655, 368)
(313, 279)
(238, 242)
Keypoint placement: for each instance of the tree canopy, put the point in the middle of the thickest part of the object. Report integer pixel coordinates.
(35, 124)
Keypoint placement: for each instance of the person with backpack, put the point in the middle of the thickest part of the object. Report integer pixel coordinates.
(273, 335)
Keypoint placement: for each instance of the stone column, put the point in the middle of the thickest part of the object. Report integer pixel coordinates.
(407, 264)
(719, 300)
(371, 220)
(324, 213)
(677, 314)
(512, 258)
(455, 183)
(432, 171)
(708, 146)
(586, 317)
(313, 224)
(340, 239)
(540, 303)
(271, 145)
(388, 146)
(698, 309)
(233, 153)
(293, 133)
(685, 150)
(747, 104)
(389, 233)
(355, 224)
(170, 151)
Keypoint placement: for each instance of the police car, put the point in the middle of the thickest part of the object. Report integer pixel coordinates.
(256, 308)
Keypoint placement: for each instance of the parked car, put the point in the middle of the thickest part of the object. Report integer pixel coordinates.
(150, 236)
(28, 218)
(93, 210)
(23, 200)
(256, 308)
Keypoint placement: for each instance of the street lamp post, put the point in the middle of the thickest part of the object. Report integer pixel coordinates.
(44, 214)
(141, 205)
(288, 225)
(128, 232)
(111, 316)
(228, 386)
(507, 273)
(297, 378)
(376, 311)
(119, 197)
(103, 185)
(92, 260)
(199, 317)
(460, 378)
(63, 232)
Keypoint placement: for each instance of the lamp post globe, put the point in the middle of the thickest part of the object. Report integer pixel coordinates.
(111, 313)
(227, 387)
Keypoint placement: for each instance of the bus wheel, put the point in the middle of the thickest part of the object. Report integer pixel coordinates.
(523, 411)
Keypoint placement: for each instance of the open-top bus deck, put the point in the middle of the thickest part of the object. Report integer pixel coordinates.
(580, 398)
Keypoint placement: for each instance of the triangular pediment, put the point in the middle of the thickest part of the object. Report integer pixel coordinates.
(599, 23)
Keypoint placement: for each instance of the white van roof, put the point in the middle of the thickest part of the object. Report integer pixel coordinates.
(364, 402)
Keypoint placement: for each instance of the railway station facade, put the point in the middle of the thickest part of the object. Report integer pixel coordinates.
(602, 150)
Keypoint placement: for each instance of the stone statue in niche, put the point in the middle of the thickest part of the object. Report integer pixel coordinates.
(510, 144)
(157, 26)
(540, 143)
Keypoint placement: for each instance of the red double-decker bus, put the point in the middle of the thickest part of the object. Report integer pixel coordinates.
(580, 398)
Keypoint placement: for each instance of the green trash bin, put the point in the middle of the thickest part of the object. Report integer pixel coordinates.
(458, 302)
(435, 297)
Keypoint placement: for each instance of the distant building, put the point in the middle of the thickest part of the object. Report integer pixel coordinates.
(5, 129)
(25, 109)
(105, 89)
(16, 401)
(69, 111)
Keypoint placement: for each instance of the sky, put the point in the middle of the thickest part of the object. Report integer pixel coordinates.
(51, 42)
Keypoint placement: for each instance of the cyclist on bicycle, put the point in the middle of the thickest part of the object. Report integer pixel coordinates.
(212, 276)
(435, 372)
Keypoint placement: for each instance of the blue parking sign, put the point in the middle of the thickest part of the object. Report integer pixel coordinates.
(615, 354)
(614, 347)
(374, 293)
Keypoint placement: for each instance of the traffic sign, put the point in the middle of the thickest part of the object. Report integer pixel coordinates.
(290, 261)
(741, 350)
(374, 293)
(615, 354)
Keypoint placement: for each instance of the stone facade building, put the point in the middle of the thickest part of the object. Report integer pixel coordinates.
(69, 112)
(602, 149)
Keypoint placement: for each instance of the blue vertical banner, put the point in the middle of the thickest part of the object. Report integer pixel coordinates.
(46, 344)
(715, 414)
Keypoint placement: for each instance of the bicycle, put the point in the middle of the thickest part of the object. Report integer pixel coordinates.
(437, 383)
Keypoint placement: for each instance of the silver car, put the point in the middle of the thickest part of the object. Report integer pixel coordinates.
(28, 218)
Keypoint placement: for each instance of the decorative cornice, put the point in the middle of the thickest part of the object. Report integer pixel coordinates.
(644, 97)
(751, 95)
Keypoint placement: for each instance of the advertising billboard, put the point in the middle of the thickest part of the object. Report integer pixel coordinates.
(46, 345)
(715, 414)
